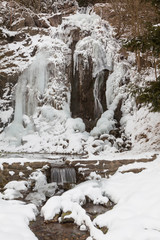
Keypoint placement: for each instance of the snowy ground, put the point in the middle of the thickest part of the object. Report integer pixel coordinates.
(14, 220)
(136, 214)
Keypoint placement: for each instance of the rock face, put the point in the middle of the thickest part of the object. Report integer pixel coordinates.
(88, 92)
(104, 168)
(17, 171)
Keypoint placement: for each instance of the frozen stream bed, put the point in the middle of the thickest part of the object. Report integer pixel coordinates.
(136, 214)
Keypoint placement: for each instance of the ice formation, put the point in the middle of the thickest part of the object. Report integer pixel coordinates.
(77, 63)
(43, 91)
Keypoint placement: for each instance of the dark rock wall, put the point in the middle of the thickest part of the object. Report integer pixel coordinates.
(82, 99)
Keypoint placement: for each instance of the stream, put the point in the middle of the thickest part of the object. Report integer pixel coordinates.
(56, 231)
(67, 231)
(62, 175)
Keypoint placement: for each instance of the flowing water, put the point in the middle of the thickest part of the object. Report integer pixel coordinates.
(62, 175)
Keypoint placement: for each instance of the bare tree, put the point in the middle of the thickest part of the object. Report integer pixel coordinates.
(131, 18)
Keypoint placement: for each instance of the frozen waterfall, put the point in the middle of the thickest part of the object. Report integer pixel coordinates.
(29, 94)
(30, 87)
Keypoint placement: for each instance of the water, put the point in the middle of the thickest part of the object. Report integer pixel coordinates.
(52, 231)
(62, 175)
(98, 109)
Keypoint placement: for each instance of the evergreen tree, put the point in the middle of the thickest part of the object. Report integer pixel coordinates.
(149, 45)
(150, 95)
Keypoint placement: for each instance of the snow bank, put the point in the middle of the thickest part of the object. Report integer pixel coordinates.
(137, 210)
(14, 220)
(90, 189)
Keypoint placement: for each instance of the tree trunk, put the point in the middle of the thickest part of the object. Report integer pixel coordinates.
(155, 68)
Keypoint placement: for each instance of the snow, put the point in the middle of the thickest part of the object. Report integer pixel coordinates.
(22, 160)
(43, 123)
(41, 189)
(83, 228)
(136, 214)
(142, 125)
(17, 185)
(90, 189)
(11, 173)
(14, 220)
(136, 196)
(5, 115)
(7, 32)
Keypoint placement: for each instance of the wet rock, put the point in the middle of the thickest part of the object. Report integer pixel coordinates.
(84, 103)
(118, 112)
(134, 170)
(84, 3)
(29, 21)
(41, 23)
(114, 132)
(67, 7)
(104, 168)
(55, 20)
(55, 219)
(65, 217)
(52, 230)
(18, 24)
(104, 10)
(82, 99)
(104, 229)
(3, 180)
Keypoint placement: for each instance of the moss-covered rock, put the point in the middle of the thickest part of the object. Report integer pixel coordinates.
(104, 229)
(65, 217)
